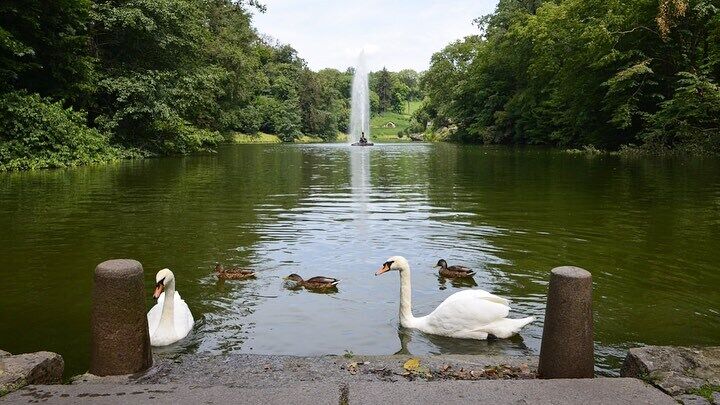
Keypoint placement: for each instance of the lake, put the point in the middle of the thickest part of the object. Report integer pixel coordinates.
(648, 230)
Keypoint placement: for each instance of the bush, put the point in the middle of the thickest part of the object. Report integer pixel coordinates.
(144, 111)
(36, 133)
(690, 120)
(179, 137)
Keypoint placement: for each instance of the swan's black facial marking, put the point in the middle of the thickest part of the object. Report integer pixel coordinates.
(160, 283)
(388, 263)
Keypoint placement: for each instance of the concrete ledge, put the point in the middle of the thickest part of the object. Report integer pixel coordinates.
(171, 394)
(563, 391)
(253, 371)
(575, 391)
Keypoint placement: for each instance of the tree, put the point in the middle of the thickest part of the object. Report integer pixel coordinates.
(150, 77)
(573, 73)
(384, 89)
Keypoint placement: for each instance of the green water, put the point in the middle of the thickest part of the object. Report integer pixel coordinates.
(648, 230)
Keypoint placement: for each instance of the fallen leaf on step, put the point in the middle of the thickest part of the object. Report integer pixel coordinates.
(412, 364)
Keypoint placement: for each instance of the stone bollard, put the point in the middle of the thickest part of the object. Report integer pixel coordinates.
(120, 341)
(567, 350)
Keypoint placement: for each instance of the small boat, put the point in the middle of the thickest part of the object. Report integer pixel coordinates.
(362, 144)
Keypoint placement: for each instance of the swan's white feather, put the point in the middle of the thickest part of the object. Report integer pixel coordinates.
(182, 321)
(468, 314)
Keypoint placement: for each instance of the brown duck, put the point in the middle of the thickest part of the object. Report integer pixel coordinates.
(233, 273)
(315, 283)
(453, 271)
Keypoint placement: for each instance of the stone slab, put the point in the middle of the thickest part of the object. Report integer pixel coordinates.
(30, 368)
(104, 394)
(559, 392)
(252, 371)
(675, 370)
(689, 399)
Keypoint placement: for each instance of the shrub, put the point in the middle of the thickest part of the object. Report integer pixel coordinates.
(36, 133)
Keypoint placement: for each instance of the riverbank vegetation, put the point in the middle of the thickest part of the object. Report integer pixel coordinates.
(570, 73)
(392, 125)
(86, 81)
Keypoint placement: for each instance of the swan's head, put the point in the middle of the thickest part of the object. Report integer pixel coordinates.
(398, 263)
(163, 278)
(441, 263)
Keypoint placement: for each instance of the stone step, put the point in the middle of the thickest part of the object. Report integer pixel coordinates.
(579, 391)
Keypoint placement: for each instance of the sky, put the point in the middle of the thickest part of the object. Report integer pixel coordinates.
(395, 34)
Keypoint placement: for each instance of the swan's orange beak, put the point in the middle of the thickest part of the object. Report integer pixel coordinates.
(159, 287)
(385, 268)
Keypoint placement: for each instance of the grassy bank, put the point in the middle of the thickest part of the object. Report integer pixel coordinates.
(380, 130)
(262, 137)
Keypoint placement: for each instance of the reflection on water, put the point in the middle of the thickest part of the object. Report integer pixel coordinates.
(649, 231)
(457, 282)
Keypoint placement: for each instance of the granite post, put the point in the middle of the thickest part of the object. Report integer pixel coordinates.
(120, 341)
(567, 350)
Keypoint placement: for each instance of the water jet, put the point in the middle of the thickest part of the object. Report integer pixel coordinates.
(360, 106)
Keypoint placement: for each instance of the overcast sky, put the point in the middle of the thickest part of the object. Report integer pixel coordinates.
(396, 34)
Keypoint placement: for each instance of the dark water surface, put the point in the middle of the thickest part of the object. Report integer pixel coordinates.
(648, 230)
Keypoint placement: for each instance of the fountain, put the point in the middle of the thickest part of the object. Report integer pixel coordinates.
(360, 107)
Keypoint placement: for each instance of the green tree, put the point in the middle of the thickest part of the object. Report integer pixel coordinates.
(573, 73)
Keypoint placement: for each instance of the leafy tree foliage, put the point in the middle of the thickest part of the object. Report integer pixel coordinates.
(393, 89)
(151, 76)
(37, 133)
(580, 72)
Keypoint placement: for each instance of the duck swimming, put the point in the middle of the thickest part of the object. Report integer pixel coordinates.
(233, 273)
(468, 314)
(315, 283)
(456, 271)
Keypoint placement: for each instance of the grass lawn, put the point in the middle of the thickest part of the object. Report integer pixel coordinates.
(262, 137)
(378, 131)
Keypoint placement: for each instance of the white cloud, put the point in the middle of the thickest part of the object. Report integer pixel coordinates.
(398, 34)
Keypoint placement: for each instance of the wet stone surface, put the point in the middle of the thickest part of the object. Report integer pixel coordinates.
(678, 371)
(17, 371)
(269, 370)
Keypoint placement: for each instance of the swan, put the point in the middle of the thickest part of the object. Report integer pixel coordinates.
(468, 314)
(170, 319)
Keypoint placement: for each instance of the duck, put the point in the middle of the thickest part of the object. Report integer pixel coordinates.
(468, 314)
(233, 273)
(456, 271)
(170, 319)
(315, 283)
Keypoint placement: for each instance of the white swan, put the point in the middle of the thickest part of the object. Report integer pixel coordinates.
(468, 314)
(170, 319)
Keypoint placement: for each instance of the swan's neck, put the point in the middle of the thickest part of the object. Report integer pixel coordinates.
(168, 311)
(406, 317)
